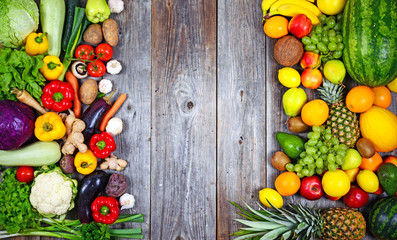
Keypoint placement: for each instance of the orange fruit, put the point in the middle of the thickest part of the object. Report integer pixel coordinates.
(287, 183)
(371, 163)
(382, 96)
(276, 27)
(315, 112)
(391, 159)
(360, 98)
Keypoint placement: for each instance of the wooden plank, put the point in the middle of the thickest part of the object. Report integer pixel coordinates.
(133, 144)
(241, 109)
(183, 168)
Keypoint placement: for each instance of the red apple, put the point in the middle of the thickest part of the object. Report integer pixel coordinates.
(332, 198)
(356, 197)
(300, 26)
(310, 59)
(311, 78)
(311, 188)
(379, 191)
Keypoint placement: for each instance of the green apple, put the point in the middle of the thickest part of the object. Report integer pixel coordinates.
(335, 71)
(352, 159)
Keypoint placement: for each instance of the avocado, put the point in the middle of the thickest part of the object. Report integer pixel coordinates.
(387, 174)
(292, 145)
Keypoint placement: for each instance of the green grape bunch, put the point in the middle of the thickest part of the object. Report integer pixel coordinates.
(322, 152)
(326, 38)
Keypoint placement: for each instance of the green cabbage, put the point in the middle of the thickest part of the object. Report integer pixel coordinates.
(18, 18)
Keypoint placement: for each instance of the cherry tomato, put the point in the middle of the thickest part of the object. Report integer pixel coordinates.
(25, 174)
(104, 51)
(85, 52)
(96, 68)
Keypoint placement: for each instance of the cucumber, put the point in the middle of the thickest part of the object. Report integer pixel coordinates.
(36, 154)
(52, 18)
(68, 26)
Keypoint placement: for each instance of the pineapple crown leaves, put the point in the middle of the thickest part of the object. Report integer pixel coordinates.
(294, 222)
(331, 93)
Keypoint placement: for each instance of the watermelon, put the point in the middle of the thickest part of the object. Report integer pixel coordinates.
(370, 40)
(382, 220)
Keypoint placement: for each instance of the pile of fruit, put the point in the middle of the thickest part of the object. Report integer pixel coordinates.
(340, 144)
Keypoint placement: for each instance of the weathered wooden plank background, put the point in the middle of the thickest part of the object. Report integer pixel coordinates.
(203, 108)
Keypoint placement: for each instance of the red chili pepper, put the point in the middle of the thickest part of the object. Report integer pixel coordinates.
(102, 145)
(57, 96)
(105, 209)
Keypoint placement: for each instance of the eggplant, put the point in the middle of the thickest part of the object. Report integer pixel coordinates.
(91, 186)
(92, 117)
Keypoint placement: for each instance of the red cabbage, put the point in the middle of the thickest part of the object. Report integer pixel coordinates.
(16, 124)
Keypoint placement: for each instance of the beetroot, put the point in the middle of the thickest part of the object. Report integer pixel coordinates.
(16, 124)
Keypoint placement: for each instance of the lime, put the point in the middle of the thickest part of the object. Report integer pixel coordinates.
(289, 77)
(393, 85)
(267, 195)
(368, 181)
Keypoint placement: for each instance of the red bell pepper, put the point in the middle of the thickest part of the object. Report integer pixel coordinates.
(102, 145)
(57, 96)
(105, 209)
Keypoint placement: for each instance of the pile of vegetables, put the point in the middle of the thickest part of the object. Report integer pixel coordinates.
(57, 137)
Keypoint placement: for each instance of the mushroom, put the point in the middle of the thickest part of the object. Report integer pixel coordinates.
(79, 70)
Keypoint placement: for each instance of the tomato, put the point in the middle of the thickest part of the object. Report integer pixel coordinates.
(104, 51)
(25, 174)
(336, 183)
(96, 68)
(85, 52)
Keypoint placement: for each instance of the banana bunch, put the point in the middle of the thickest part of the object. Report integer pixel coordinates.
(290, 8)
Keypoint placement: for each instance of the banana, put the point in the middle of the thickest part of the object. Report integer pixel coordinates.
(303, 3)
(266, 5)
(291, 10)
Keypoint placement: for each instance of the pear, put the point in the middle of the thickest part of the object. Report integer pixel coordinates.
(293, 101)
(352, 159)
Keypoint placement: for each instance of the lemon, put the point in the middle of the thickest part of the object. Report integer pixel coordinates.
(336, 183)
(393, 85)
(289, 77)
(368, 181)
(267, 195)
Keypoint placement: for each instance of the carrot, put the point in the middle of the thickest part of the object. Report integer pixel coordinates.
(70, 78)
(25, 97)
(116, 105)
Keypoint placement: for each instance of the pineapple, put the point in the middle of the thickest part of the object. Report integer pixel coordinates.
(299, 222)
(342, 122)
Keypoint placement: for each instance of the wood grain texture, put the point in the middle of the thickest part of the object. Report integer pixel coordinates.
(241, 109)
(183, 168)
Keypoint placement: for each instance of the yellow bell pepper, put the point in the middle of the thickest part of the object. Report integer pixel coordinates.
(49, 127)
(85, 163)
(36, 44)
(52, 68)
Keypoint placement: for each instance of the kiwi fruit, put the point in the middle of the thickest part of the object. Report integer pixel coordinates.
(296, 125)
(365, 148)
(279, 160)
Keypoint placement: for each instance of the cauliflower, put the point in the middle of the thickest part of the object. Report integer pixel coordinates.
(53, 193)
(116, 6)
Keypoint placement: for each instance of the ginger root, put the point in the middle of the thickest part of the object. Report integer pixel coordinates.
(114, 163)
(75, 138)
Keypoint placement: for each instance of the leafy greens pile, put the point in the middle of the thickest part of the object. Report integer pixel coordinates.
(19, 70)
(16, 212)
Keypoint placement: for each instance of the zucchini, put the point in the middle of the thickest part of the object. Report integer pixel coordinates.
(36, 154)
(69, 19)
(52, 18)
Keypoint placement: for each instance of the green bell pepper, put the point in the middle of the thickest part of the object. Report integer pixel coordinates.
(97, 10)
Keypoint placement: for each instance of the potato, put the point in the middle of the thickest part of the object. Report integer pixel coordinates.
(88, 91)
(93, 34)
(110, 32)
